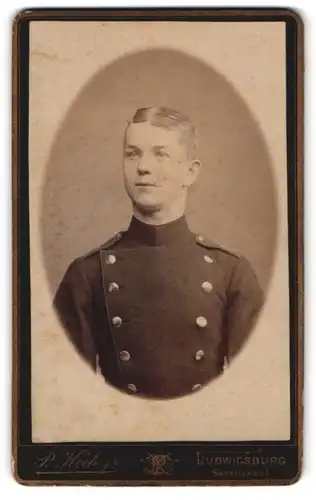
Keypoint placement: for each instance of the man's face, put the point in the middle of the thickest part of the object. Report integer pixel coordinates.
(156, 166)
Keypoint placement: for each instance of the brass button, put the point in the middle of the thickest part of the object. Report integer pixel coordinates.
(113, 287)
(201, 321)
(208, 259)
(125, 356)
(200, 239)
(196, 387)
(207, 287)
(132, 387)
(117, 321)
(110, 259)
(199, 355)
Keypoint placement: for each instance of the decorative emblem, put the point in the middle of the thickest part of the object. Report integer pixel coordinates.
(159, 464)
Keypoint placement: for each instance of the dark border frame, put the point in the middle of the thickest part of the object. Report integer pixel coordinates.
(126, 463)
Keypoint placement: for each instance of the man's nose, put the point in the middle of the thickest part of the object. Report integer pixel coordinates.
(143, 166)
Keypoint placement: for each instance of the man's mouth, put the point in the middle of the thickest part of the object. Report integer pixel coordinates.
(146, 184)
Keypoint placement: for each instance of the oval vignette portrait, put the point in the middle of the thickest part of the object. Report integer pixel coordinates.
(165, 278)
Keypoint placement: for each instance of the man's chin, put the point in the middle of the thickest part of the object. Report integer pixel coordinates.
(147, 208)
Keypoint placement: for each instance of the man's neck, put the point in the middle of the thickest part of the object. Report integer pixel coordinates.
(160, 217)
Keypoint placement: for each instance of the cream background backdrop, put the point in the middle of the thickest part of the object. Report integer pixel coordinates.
(68, 402)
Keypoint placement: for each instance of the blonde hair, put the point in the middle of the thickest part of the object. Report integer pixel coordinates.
(170, 119)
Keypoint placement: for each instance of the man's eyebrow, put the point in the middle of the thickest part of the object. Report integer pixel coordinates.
(163, 146)
(132, 146)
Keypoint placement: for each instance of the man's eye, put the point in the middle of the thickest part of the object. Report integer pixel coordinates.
(160, 154)
(131, 154)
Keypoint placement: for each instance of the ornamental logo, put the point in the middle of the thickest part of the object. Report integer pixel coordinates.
(159, 464)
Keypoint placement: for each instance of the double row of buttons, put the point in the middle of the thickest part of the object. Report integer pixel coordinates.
(133, 388)
(200, 321)
(117, 321)
(125, 355)
(113, 288)
(207, 287)
(111, 259)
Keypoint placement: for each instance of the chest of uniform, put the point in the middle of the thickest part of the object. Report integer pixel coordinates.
(165, 307)
(170, 287)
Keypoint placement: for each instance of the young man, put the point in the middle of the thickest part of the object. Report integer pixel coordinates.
(159, 310)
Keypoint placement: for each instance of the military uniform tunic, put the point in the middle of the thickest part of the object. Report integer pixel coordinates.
(159, 310)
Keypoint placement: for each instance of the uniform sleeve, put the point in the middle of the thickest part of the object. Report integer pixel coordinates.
(74, 306)
(245, 300)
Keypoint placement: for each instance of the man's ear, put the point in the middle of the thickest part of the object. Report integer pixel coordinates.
(193, 172)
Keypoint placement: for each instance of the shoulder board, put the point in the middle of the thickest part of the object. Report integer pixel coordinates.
(109, 243)
(211, 245)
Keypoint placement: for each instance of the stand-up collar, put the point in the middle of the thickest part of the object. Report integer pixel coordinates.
(173, 233)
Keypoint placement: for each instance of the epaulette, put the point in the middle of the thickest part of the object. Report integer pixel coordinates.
(211, 245)
(109, 243)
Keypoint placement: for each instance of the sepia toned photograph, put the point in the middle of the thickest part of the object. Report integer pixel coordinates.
(159, 240)
(162, 277)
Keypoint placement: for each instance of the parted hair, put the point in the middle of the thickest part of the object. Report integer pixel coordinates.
(170, 119)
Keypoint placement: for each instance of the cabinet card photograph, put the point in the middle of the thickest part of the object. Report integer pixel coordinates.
(157, 172)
